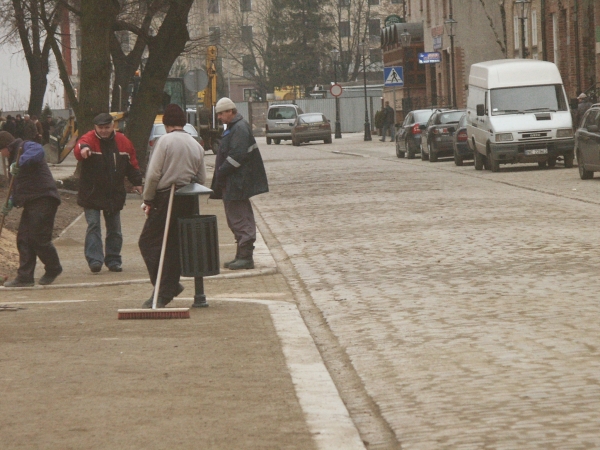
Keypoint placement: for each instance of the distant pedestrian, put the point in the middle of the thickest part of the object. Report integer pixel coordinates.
(239, 174)
(389, 120)
(35, 191)
(107, 157)
(584, 105)
(10, 125)
(19, 124)
(177, 159)
(39, 128)
(29, 129)
(47, 128)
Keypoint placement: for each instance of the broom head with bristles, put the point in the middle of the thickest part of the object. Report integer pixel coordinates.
(161, 313)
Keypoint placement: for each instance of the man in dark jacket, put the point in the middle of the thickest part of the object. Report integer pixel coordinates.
(35, 191)
(107, 158)
(239, 175)
(389, 120)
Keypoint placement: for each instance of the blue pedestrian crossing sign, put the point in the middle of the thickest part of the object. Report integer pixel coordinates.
(393, 76)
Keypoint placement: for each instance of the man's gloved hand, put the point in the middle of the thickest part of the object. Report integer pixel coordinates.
(14, 170)
(7, 207)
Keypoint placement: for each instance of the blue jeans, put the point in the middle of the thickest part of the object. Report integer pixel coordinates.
(93, 238)
(391, 128)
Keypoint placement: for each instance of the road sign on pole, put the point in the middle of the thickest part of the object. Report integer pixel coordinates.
(393, 76)
(336, 90)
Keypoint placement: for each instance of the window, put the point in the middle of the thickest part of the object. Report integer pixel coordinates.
(247, 33)
(373, 2)
(534, 29)
(344, 29)
(397, 2)
(215, 35)
(213, 6)
(248, 65)
(245, 5)
(374, 27)
(516, 33)
(344, 3)
(375, 55)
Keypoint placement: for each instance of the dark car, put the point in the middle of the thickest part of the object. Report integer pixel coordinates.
(462, 150)
(311, 127)
(408, 135)
(587, 143)
(438, 134)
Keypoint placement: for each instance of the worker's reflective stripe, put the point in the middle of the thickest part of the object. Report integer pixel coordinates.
(233, 162)
(252, 147)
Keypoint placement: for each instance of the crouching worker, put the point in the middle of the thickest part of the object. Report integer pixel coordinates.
(34, 189)
(177, 159)
(239, 175)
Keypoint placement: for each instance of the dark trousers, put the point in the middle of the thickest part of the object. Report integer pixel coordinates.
(151, 239)
(240, 219)
(34, 238)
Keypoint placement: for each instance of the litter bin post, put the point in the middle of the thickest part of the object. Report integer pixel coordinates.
(198, 241)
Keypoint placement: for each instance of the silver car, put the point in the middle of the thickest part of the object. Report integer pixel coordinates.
(280, 120)
(158, 130)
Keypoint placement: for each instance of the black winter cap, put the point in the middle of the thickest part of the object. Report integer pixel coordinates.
(103, 119)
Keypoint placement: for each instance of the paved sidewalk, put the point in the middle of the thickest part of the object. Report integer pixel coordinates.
(243, 373)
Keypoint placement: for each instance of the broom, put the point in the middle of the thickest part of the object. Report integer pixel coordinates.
(155, 313)
(10, 187)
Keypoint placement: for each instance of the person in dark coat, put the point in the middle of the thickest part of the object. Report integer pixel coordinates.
(29, 129)
(582, 107)
(389, 119)
(34, 190)
(10, 125)
(239, 175)
(107, 157)
(19, 126)
(47, 127)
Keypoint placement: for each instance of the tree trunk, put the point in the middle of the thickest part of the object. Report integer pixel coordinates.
(97, 19)
(163, 50)
(37, 87)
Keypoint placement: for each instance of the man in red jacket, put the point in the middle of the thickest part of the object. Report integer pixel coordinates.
(107, 158)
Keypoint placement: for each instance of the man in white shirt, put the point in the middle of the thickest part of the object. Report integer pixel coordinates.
(177, 159)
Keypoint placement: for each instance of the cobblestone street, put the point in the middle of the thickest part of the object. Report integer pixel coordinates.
(466, 301)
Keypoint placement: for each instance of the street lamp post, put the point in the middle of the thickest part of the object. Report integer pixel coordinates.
(405, 40)
(363, 48)
(522, 7)
(335, 56)
(450, 24)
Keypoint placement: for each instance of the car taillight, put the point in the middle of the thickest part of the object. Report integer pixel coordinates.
(462, 136)
(416, 129)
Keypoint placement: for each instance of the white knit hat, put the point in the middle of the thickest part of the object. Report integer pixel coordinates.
(225, 104)
(582, 96)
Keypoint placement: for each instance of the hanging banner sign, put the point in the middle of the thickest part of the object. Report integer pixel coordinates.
(430, 58)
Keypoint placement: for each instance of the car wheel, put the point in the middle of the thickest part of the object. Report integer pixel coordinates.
(268, 141)
(328, 140)
(569, 160)
(542, 164)
(552, 161)
(423, 157)
(487, 161)
(457, 159)
(432, 155)
(478, 157)
(399, 153)
(583, 173)
(277, 141)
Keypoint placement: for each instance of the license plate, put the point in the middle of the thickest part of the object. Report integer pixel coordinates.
(536, 151)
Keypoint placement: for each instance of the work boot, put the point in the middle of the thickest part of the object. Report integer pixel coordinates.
(244, 260)
(161, 302)
(237, 255)
(48, 278)
(18, 283)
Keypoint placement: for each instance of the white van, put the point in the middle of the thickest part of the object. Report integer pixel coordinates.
(517, 112)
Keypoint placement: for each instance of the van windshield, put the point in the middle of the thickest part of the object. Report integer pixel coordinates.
(519, 100)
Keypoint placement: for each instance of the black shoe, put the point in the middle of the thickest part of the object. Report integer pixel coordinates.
(18, 283)
(160, 302)
(95, 267)
(115, 268)
(48, 278)
(228, 263)
(242, 264)
(382, 140)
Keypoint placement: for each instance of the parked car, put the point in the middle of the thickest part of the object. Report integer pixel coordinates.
(311, 127)
(438, 134)
(158, 130)
(587, 143)
(280, 119)
(408, 134)
(460, 142)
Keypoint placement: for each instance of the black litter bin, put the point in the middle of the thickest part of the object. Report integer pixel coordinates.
(199, 246)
